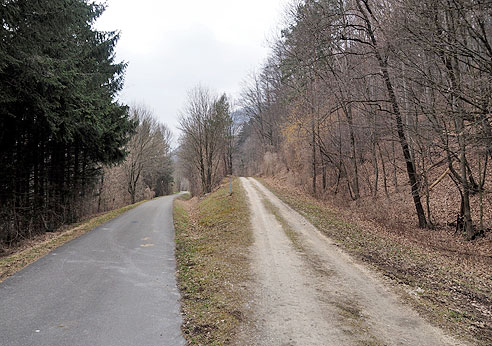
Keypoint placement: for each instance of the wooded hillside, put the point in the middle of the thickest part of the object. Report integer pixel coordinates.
(371, 99)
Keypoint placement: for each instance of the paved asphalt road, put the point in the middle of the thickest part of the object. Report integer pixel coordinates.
(113, 286)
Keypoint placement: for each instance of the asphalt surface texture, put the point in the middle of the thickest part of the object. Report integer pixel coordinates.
(112, 286)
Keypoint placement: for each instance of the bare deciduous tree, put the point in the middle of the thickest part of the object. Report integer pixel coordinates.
(148, 153)
(205, 143)
(347, 80)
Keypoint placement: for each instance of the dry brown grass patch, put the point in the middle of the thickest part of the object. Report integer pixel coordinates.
(213, 236)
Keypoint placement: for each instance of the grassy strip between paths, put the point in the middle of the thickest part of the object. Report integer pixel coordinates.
(448, 297)
(11, 264)
(213, 236)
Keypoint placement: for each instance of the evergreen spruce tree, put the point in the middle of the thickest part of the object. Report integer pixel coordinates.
(59, 120)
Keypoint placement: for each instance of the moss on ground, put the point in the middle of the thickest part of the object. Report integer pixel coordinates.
(213, 236)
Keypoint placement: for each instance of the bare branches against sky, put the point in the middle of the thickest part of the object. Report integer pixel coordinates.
(173, 45)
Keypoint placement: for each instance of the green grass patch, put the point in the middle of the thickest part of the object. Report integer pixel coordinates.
(213, 236)
(185, 196)
(13, 263)
(289, 231)
(455, 315)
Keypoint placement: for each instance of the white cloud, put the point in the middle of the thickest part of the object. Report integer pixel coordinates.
(171, 46)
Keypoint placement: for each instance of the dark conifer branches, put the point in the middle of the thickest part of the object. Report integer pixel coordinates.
(59, 121)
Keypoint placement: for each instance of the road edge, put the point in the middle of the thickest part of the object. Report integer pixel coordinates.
(13, 263)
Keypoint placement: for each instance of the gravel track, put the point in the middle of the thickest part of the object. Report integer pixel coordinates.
(307, 291)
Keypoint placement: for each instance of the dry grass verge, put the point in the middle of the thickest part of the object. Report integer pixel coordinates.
(38, 247)
(213, 236)
(453, 292)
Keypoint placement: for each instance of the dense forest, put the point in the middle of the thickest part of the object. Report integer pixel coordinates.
(368, 100)
(68, 148)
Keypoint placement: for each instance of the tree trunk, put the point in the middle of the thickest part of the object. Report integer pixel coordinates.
(355, 185)
(410, 164)
(375, 166)
(395, 176)
(383, 166)
(313, 144)
(458, 112)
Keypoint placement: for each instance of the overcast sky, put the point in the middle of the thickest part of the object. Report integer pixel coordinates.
(172, 46)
